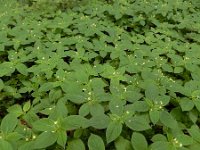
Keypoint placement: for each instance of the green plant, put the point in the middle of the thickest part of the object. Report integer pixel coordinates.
(53, 5)
(118, 75)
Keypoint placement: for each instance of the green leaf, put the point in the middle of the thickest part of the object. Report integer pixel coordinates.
(75, 144)
(131, 98)
(22, 68)
(4, 145)
(97, 84)
(138, 123)
(27, 145)
(195, 132)
(27, 106)
(96, 109)
(116, 106)
(167, 119)
(8, 123)
(159, 137)
(113, 131)
(194, 146)
(161, 145)
(95, 142)
(74, 122)
(78, 133)
(13, 136)
(62, 138)
(139, 141)
(6, 68)
(84, 110)
(100, 121)
(140, 106)
(1, 84)
(45, 139)
(123, 144)
(142, 22)
(16, 110)
(61, 109)
(178, 69)
(74, 92)
(193, 115)
(186, 104)
(55, 94)
(167, 67)
(154, 116)
(184, 139)
(151, 91)
(47, 86)
(44, 125)
(197, 104)
(176, 113)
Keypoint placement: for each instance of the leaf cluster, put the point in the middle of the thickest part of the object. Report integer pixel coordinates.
(118, 75)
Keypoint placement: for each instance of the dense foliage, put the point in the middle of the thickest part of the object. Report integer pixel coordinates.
(99, 75)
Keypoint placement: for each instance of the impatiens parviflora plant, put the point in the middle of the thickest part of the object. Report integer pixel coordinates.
(104, 75)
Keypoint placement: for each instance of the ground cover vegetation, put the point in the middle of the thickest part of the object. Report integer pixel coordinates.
(99, 75)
